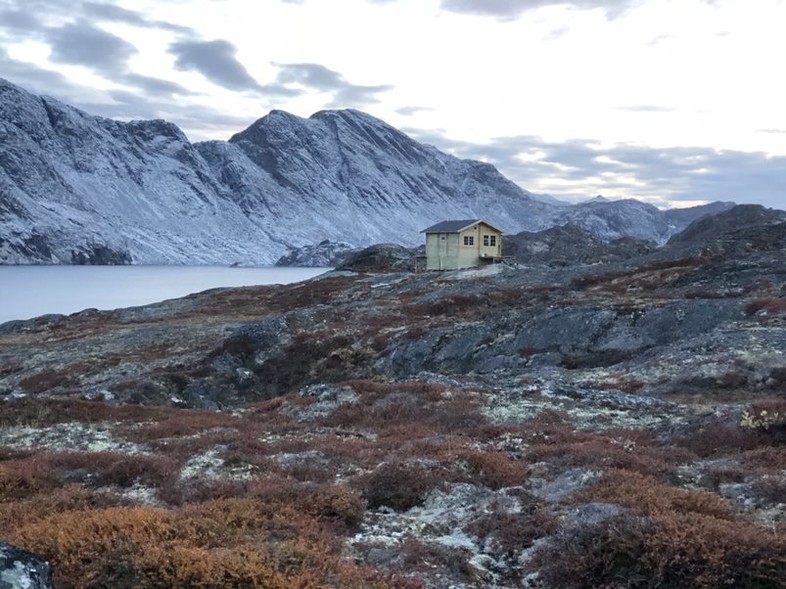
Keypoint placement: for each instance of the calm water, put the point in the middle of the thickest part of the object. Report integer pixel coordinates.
(30, 291)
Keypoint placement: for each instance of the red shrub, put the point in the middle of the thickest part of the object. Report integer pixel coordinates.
(20, 479)
(647, 496)
(669, 551)
(771, 305)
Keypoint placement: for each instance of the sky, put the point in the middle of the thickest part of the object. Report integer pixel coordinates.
(674, 102)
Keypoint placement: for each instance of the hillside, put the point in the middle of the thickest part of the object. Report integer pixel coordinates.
(544, 426)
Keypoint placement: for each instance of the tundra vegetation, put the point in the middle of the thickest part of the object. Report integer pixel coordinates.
(618, 425)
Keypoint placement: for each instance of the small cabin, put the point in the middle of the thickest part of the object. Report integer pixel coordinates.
(451, 245)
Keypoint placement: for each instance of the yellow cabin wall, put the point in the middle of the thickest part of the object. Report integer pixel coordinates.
(446, 251)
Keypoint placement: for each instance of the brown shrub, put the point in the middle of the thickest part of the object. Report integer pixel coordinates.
(43, 381)
(448, 306)
(768, 459)
(599, 451)
(310, 357)
(510, 533)
(398, 485)
(77, 542)
(770, 305)
(449, 561)
(717, 440)
(224, 543)
(99, 469)
(771, 489)
(645, 495)
(310, 470)
(387, 407)
(717, 475)
(505, 297)
(668, 551)
(179, 424)
(590, 280)
(46, 412)
(20, 479)
(42, 505)
(552, 427)
(197, 490)
(492, 469)
(374, 389)
(13, 454)
(626, 386)
(339, 504)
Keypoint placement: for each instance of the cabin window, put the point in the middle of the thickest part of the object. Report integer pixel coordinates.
(469, 240)
(489, 240)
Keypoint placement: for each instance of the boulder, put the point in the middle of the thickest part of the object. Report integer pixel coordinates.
(23, 570)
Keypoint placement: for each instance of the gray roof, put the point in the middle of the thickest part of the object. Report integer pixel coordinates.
(455, 226)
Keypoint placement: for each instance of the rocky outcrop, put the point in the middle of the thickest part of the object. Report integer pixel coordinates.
(712, 231)
(385, 258)
(23, 570)
(325, 254)
(570, 244)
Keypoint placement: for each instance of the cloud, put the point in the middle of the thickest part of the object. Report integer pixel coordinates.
(582, 167)
(216, 61)
(317, 77)
(81, 43)
(197, 121)
(156, 86)
(18, 20)
(312, 75)
(31, 15)
(646, 108)
(357, 96)
(111, 12)
(660, 39)
(38, 79)
(513, 9)
(411, 110)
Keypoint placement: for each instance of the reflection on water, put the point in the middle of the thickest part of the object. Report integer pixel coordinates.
(30, 291)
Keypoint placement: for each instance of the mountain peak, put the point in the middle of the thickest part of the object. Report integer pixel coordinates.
(73, 182)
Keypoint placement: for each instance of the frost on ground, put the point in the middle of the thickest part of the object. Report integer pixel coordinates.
(65, 437)
(442, 525)
(213, 466)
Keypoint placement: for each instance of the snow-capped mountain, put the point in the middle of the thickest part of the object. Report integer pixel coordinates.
(77, 188)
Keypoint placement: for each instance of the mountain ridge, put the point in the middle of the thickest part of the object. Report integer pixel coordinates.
(76, 188)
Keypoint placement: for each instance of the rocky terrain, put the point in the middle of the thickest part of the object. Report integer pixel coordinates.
(80, 189)
(22, 570)
(541, 424)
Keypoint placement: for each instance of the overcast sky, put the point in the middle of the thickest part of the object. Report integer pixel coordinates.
(671, 101)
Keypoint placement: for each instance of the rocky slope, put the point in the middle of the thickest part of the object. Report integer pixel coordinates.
(512, 426)
(75, 188)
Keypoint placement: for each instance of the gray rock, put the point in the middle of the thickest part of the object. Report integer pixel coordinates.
(324, 254)
(563, 486)
(23, 570)
(385, 257)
